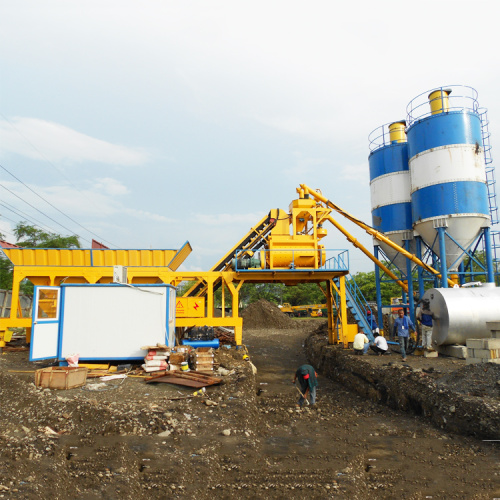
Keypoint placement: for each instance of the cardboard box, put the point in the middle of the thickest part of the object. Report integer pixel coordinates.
(61, 377)
(176, 358)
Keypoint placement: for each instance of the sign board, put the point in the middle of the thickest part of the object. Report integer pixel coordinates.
(190, 307)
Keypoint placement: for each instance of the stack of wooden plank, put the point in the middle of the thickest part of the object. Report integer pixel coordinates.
(202, 360)
(191, 379)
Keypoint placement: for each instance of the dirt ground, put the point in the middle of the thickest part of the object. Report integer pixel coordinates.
(245, 439)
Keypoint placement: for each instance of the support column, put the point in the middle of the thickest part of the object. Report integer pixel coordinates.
(409, 278)
(235, 304)
(490, 273)
(442, 256)
(380, 318)
(329, 306)
(434, 262)
(461, 273)
(420, 271)
(343, 312)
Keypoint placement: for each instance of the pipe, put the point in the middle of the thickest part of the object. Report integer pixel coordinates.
(357, 244)
(380, 319)
(373, 232)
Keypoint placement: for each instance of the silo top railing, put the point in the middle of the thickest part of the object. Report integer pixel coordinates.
(381, 137)
(454, 98)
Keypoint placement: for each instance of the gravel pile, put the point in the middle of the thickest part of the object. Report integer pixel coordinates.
(482, 380)
(263, 314)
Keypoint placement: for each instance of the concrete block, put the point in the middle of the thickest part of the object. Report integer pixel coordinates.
(493, 325)
(455, 351)
(492, 343)
(472, 361)
(431, 354)
(495, 361)
(486, 353)
(475, 343)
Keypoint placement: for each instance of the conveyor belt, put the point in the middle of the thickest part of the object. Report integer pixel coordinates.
(253, 240)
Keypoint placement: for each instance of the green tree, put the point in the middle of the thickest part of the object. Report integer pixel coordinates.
(5, 273)
(366, 283)
(31, 237)
(303, 294)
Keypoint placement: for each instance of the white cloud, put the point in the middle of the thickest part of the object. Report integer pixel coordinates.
(32, 138)
(111, 186)
(148, 216)
(90, 206)
(355, 173)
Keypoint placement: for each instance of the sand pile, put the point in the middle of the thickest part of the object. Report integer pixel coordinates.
(263, 314)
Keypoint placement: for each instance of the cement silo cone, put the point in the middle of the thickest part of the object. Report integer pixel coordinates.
(447, 170)
(390, 189)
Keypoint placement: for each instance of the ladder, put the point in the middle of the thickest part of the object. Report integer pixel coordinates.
(490, 184)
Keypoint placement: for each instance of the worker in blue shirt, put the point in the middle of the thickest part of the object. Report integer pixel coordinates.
(372, 322)
(426, 324)
(402, 325)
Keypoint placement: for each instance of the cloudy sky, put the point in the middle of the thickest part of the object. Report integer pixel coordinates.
(146, 124)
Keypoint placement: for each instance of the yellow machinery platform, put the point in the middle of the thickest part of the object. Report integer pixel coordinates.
(284, 247)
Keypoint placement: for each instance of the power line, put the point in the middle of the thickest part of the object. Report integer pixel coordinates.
(45, 215)
(53, 206)
(58, 170)
(25, 216)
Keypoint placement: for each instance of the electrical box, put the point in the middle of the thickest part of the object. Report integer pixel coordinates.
(119, 274)
(190, 307)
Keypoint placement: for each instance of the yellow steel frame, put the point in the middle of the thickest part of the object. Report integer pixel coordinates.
(373, 232)
(297, 259)
(55, 276)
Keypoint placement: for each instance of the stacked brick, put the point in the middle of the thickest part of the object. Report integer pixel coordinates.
(483, 351)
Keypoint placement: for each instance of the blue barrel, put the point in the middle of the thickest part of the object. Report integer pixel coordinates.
(202, 343)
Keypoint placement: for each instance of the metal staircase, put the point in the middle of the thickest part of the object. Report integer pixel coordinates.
(358, 305)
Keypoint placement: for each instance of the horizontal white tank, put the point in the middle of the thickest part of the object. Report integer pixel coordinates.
(461, 313)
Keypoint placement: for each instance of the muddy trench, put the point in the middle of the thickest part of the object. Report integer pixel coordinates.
(405, 388)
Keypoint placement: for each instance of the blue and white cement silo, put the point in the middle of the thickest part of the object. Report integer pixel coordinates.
(390, 189)
(449, 195)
